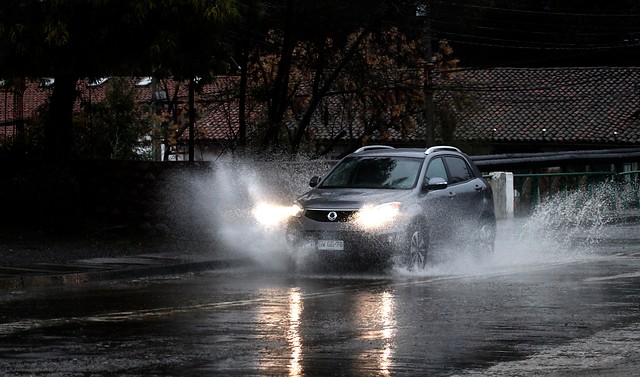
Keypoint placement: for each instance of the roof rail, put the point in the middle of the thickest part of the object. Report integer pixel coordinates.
(370, 147)
(439, 148)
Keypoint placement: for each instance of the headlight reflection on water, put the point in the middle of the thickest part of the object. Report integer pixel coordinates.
(378, 312)
(281, 320)
(293, 333)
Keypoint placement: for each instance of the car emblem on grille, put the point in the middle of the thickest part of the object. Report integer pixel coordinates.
(332, 216)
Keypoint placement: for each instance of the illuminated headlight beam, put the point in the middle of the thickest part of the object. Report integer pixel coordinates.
(371, 217)
(274, 214)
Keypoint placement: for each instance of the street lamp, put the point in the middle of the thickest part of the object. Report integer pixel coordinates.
(423, 10)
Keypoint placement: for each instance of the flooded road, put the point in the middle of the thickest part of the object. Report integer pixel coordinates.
(535, 308)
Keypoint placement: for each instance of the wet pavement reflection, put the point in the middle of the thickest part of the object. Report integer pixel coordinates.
(552, 313)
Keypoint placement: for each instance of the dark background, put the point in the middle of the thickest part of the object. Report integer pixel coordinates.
(485, 33)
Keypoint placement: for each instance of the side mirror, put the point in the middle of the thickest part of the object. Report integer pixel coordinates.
(437, 183)
(313, 182)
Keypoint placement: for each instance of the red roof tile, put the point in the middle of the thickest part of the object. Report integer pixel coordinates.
(559, 105)
(562, 105)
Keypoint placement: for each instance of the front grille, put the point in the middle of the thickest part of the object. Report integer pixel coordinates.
(323, 215)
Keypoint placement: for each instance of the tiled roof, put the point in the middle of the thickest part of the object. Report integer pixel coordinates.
(10, 110)
(213, 95)
(218, 117)
(34, 96)
(591, 105)
(559, 105)
(552, 105)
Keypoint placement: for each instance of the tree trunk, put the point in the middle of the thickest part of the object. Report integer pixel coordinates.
(280, 93)
(58, 125)
(242, 102)
(18, 110)
(192, 119)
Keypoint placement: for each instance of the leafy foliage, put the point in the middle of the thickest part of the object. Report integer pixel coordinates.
(115, 128)
(311, 48)
(72, 39)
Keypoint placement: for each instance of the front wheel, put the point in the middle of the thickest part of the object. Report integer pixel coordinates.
(417, 246)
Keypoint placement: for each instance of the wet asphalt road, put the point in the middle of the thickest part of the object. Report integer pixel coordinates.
(540, 306)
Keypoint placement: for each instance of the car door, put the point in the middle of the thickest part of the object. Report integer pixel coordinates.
(437, 203)
(465, 187)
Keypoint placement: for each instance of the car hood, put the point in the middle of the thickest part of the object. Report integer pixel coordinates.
(348, 199)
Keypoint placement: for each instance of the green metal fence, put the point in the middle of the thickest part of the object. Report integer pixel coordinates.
(620, 190)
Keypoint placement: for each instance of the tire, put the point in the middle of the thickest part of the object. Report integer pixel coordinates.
(416, 246)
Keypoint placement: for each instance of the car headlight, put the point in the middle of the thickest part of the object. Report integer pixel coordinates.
(274, 214)
(371, 217)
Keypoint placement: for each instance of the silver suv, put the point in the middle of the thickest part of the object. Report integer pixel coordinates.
(380, 202)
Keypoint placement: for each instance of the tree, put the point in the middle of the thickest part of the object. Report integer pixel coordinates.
(115, 128)
(247, 32)
(382, 88)
(72, 39)
(310, 43)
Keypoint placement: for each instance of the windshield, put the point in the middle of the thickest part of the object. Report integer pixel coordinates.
(375, 172)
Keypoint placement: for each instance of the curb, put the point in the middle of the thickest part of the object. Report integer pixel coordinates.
(74, 278)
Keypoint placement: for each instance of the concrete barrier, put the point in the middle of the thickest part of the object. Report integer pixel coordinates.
(503, 194)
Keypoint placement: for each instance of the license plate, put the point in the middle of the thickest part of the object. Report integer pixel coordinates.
(330, 245)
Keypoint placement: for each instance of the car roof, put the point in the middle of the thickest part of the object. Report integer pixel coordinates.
(383, 150)
(387, 151)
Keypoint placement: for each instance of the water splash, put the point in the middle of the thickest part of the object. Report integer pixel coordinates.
(576, 218)
(564, 227)
(227, 196)
(561, 229)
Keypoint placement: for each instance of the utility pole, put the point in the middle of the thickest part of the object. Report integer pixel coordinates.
(192, 118)
(423, 10)
(18, 109)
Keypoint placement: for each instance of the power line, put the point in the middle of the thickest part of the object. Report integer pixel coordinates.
(519, 44)
(501, 27)
(545, 12)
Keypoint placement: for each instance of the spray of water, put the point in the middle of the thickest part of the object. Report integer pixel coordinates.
(226, 197)
(574, 222)
(563, 227)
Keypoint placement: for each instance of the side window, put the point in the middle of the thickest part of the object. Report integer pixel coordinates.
(459, 170)
(436, 169)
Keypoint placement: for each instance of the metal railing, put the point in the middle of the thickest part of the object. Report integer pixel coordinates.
(620, 190)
